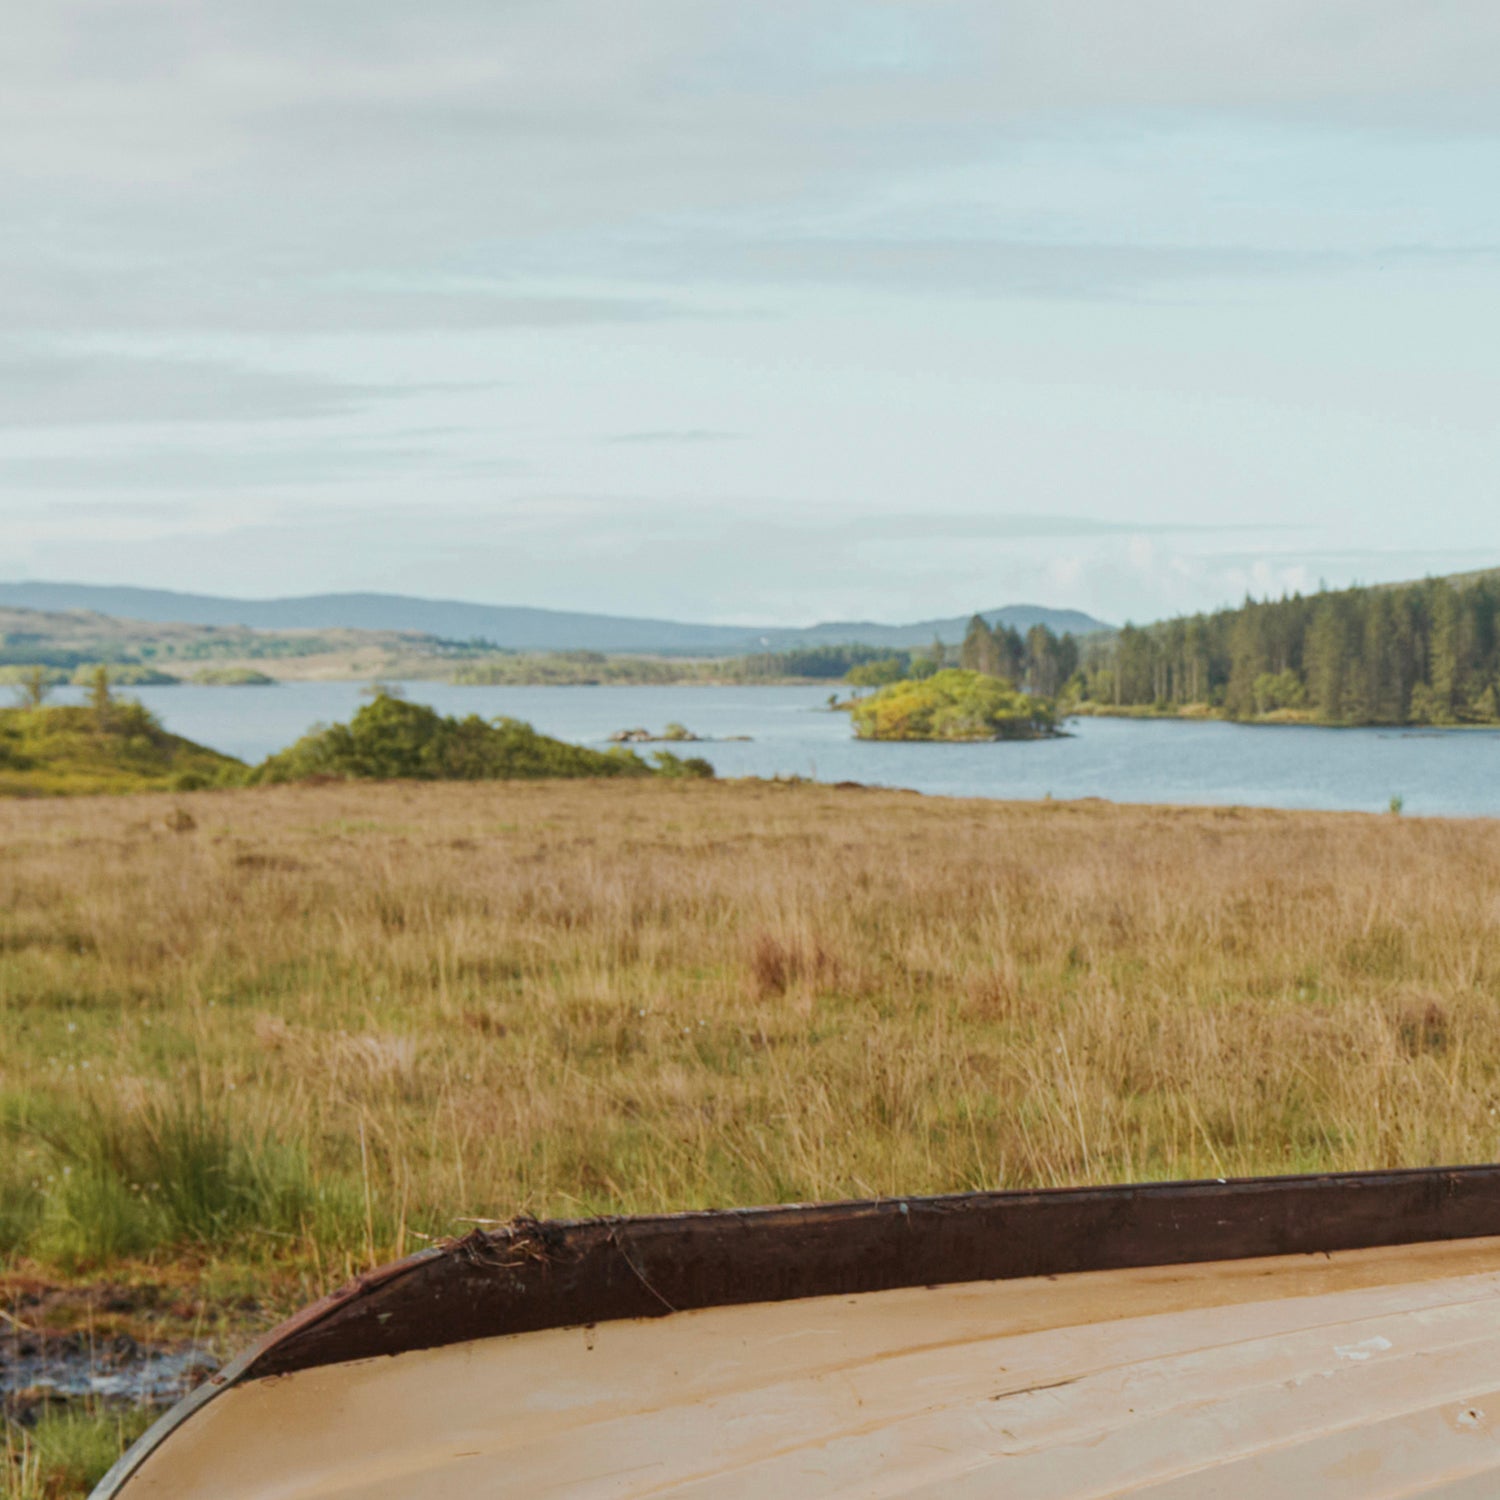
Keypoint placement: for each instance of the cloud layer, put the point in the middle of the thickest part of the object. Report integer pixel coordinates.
(1042, 276)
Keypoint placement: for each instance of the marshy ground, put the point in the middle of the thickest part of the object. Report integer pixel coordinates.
(255, 1041)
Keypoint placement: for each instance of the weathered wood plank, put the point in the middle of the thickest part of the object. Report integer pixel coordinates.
(533, 1275)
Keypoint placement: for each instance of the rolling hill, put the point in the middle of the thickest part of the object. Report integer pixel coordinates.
(510, 627)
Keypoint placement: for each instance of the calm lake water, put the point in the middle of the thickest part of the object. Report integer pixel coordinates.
(1127, 760)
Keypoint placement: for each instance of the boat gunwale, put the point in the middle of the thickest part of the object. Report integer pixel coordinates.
(530, 1275)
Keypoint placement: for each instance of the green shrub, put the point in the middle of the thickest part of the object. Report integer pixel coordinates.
(667, 764)
(1278, 690)
(390, 738)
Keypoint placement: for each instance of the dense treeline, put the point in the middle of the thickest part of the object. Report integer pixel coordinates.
(588, 668)
(574, 669)
(1425, 653)
(827, 663)
(1038, 662)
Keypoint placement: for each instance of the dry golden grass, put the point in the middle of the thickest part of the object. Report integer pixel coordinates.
(445, 1001)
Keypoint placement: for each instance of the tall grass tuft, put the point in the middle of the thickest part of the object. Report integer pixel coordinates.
(117, 1177)
(67, 1452)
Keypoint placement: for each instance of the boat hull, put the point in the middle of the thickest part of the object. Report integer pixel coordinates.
(1368, 1373)
(1317, 1336)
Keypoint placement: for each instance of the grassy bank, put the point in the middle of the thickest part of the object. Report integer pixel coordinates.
(116, 747)
(258, 1039)
(1279, 716)
(1201, 711)
(1090, 710)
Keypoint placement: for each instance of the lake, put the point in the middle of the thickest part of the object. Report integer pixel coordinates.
(793, 734)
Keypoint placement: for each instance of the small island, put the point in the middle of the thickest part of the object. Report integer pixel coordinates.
(673, 734)
(232, 677)
(952, 705)
(123, 674)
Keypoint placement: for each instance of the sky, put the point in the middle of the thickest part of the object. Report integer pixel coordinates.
(770, 312)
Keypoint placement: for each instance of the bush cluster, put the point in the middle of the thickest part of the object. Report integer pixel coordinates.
(952, 705)
(390, 739)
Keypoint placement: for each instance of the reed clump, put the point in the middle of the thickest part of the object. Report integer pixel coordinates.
(310, 1026)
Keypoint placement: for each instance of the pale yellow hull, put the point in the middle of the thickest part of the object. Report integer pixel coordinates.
(1365, 1374)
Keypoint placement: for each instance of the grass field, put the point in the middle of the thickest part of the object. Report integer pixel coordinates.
(256, 1040)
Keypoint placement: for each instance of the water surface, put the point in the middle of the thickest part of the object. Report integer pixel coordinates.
(793, 734)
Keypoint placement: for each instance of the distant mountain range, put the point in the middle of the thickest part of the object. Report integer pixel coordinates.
(509, 627)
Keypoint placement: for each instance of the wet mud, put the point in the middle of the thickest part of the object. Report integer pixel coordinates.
(94, 1348)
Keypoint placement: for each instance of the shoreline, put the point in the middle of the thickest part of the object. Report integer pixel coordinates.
(1267, 722)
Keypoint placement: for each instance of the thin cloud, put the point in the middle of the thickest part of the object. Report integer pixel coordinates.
(46, 386)
(41, 388)
(683, 435)
(222, 468)
(1037, 527)
(59, 298)
(989, 267)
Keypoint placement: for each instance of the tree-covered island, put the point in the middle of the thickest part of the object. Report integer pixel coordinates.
(952, 704)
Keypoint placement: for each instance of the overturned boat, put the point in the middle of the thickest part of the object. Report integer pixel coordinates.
(1329, 1336)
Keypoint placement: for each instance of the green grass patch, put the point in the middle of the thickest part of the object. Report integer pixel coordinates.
(67, 1452)
(86, 1184)
(112, 746)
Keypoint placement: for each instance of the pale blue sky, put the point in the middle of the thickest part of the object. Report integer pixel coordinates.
(768, 312)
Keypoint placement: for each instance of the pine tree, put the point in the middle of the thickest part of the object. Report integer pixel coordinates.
(34, 687)
(1041, 662)
(1382, 665)
(980, 652)
(1196, 665)
(101, 700)
(1010, 654)
(1247, 660)
(1442, 652)
(1326, 658)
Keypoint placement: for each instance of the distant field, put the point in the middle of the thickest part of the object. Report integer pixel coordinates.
(257, 1040)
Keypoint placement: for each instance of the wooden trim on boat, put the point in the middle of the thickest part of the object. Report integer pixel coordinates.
(532, 1275)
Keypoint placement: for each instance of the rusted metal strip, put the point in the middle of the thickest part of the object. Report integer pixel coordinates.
(533, 1275)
